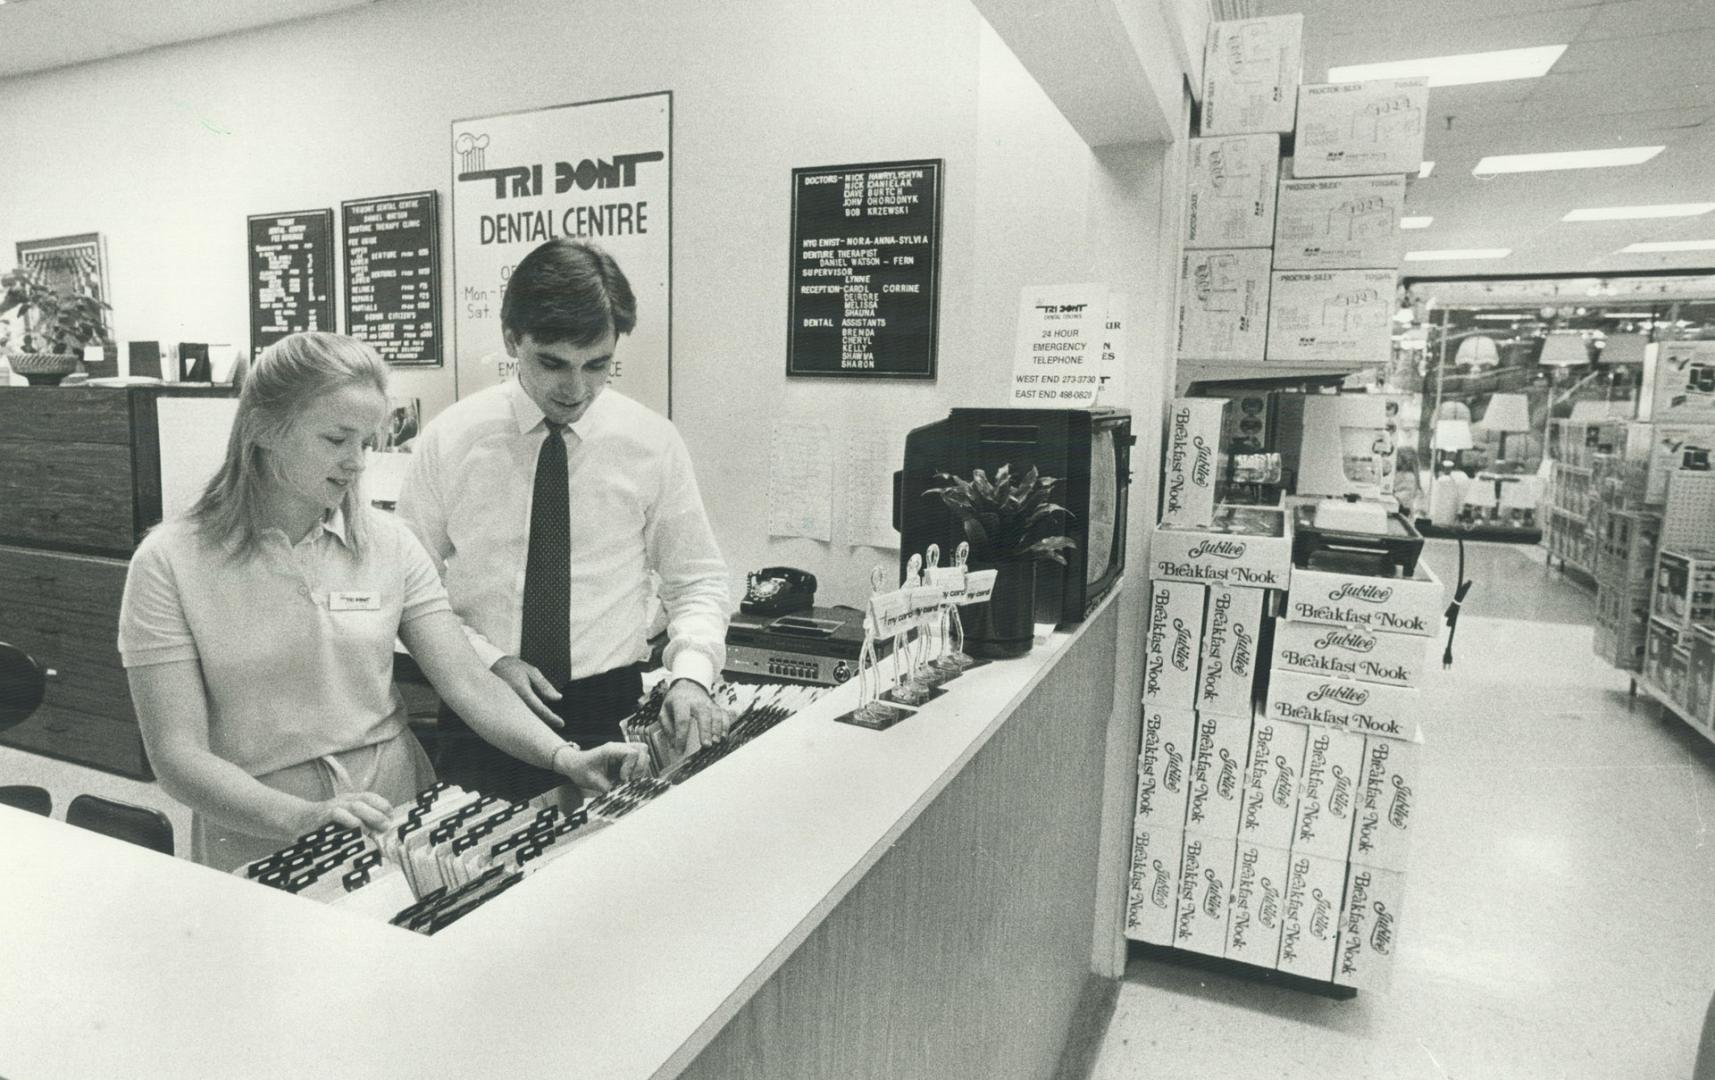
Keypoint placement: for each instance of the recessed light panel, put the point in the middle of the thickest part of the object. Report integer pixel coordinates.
(1566, 159)
(1415, 222)
(1425, 169)
(1626, 213)
(1451, 254)
(1668, 245)
(1498, 66)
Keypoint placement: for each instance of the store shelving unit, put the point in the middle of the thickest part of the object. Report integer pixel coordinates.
(1662, 698)
(1566, 519)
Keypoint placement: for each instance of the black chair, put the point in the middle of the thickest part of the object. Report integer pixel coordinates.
(27, 797)
(22, 685)
(122, 821)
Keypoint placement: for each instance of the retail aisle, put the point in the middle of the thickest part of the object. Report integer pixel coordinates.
(1560, 921)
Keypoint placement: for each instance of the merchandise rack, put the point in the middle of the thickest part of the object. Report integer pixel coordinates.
(1661, 698)
(1167, 954)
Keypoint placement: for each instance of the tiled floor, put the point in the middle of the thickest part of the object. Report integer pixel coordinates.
(1560, 920)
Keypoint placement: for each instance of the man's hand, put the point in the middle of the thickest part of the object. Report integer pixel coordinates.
(691, 717)
(531, 686)
(596, 770)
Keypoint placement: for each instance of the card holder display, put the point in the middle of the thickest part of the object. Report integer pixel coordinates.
(450, 850)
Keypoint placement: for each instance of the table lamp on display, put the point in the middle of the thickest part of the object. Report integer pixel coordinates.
(1452, 436)
(1507, 413)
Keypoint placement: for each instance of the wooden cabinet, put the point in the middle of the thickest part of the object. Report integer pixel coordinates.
(80, 483)
(79, 468)
(64, 611)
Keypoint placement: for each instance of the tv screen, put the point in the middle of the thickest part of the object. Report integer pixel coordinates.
(1104, 504)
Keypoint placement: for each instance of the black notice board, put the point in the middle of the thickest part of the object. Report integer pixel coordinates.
(291, 275)
(393, 275)
(866, 270)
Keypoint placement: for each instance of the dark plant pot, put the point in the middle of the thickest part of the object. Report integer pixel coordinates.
(1004, 626)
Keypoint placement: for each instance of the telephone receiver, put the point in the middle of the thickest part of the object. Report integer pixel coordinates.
(776, 590)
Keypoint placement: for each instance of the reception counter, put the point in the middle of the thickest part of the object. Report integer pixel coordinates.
(828, 902)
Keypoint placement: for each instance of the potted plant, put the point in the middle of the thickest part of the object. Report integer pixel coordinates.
(50, 327)
(1008, 521)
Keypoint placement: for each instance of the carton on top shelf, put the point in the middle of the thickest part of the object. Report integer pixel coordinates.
(1360, 128)
(1251, 70)
(1339, 317)
(1230, 196)
(1223, 305)
(1339, 223)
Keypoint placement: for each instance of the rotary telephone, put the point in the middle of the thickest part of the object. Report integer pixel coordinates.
(776, 590)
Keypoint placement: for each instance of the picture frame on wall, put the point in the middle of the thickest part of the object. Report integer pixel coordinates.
(71, 262)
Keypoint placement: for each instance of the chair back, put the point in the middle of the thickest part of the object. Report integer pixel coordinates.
(27, 797)
(22, 685)
(122, 821)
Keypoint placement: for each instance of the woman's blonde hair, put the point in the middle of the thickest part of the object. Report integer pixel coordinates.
(282, 383)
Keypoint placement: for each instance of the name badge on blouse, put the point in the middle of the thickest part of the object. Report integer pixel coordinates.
(354, 601)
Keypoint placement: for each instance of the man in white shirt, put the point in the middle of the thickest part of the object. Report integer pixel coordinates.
(485, 496)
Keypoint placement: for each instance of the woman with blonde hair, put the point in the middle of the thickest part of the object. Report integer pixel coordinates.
(257, 629)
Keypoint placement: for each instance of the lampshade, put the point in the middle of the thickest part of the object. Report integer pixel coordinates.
(1506, 412)
(1477, 351)
(1453, 435)
(1624, 349)
(1453, 410)
(1564, 350)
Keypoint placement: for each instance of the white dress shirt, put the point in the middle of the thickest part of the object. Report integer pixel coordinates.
(635, 509)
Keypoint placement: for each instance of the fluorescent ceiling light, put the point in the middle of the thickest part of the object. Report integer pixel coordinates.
(1449, 254)
(1415, 222)
(1667, 245)
(1624, 213)
(1627, 314)
(1565, 159)
(1502, 318)
(1498, 66)
(1423, 170)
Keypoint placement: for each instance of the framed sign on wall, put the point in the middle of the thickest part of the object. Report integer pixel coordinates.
(599, 171)
(393, 276)
(864, 292)
(291, 275)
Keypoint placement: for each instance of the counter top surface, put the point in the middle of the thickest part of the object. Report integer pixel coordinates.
(621, 959)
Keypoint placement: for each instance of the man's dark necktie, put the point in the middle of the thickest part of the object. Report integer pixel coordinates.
(545, 640)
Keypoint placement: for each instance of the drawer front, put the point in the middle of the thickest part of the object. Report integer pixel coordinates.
(67, 414)
(64, 611)
(80, 496)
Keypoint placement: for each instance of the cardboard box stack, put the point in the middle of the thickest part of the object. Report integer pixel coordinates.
(1253, 828)
(1304, 273)
(1213, 570)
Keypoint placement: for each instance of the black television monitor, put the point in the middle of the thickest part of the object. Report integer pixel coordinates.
(1088, 450)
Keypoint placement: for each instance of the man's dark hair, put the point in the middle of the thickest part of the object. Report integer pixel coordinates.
(568, 291)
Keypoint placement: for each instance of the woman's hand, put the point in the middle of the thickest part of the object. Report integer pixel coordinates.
(359, 809)
(596, 770)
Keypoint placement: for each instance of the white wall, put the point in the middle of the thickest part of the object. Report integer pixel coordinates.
(166, 153)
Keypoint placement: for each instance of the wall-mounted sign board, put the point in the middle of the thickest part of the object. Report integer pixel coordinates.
(393, 275)
(291, 275)
(866, 266)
